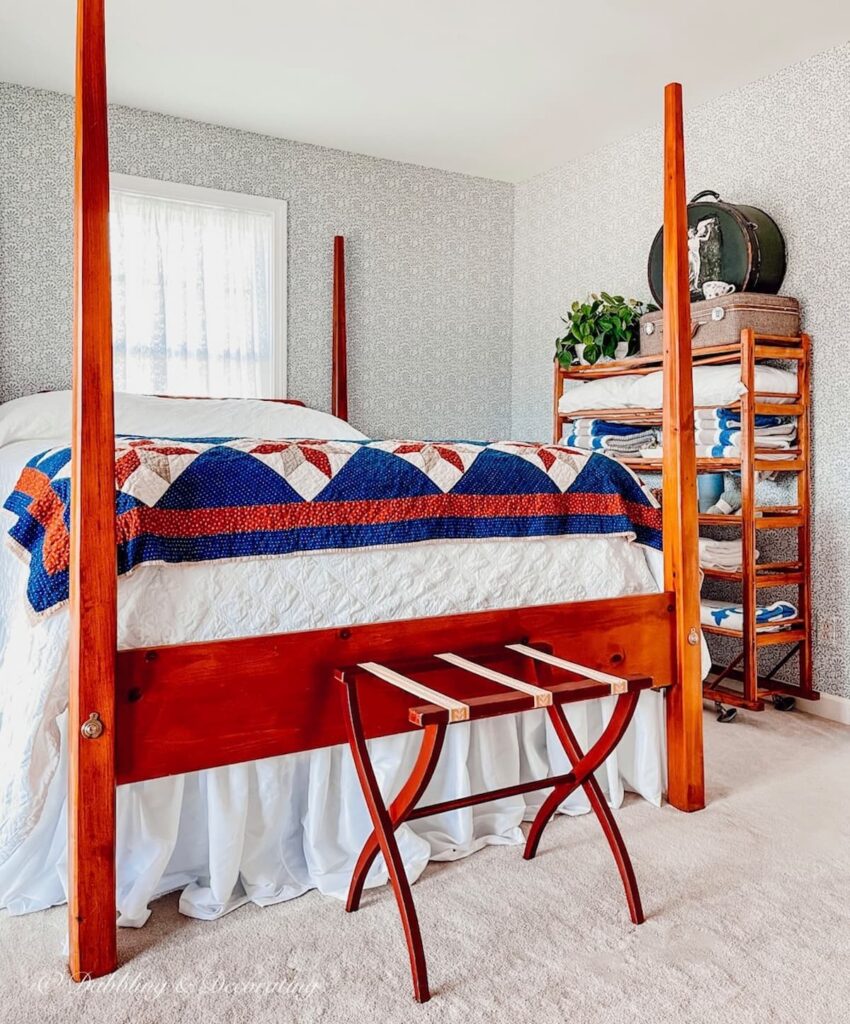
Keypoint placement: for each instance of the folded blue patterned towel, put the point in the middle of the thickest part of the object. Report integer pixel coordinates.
(606, 428)
(731, 616)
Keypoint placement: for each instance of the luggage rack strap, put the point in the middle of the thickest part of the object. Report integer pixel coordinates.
(518, 695)
(458, 711)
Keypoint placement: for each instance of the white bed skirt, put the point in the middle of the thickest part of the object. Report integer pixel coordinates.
(268, 831)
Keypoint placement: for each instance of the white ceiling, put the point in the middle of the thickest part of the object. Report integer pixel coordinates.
(500, 88)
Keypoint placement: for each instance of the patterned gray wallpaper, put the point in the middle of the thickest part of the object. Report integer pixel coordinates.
(429, 262)
(443, 267)
(782, 144)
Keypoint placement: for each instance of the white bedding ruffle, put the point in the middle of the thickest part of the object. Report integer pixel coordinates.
(268, 831)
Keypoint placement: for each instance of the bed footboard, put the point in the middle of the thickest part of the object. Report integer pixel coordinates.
(200, 705)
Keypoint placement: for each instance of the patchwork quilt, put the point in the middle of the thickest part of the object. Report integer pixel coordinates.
(200, 499)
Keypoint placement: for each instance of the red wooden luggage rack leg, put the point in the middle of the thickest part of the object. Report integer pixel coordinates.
(530, 685)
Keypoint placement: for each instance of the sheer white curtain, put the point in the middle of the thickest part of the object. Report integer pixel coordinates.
(192, 297)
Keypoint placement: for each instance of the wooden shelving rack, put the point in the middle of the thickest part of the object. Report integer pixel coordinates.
(739, 683)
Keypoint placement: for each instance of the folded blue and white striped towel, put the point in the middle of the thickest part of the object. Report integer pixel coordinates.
(731, 616)
(604, 428)
(781, 436)
(733, 451)
(733, 438)
(616, 444)
(730, 419)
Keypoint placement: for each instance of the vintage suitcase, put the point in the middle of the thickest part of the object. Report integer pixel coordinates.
(720, 321)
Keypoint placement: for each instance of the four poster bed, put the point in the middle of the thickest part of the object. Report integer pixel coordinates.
(148, 711)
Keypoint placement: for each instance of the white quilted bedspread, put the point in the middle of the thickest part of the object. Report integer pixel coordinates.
(267, 831)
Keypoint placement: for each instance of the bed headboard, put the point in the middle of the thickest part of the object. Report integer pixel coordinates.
(339, 353)
(224, 398)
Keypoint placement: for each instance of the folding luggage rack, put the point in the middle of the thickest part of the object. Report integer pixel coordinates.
(466, 695)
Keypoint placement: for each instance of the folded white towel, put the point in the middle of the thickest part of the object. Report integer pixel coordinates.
(733, 438)
(730, 451)
(721, 554)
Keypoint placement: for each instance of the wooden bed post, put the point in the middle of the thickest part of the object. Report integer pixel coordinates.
(686, 785)
(339, 380)
(93, 647)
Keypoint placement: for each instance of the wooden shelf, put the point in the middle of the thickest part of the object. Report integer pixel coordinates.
(766, 346)
(753, 577)
(703, 465)
(766, 688)
(772, 517)
(768, 574)
(766, 635)
(718, 465)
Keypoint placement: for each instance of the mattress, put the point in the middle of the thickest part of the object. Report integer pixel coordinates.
(270, 830)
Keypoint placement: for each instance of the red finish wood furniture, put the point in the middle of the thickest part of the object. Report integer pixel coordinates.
(741, 682)
(527, 684)
(142, 714)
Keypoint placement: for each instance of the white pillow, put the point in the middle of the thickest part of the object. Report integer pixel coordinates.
(225, 417)
(48, 416)
(606, 393)
(714, 386)
(35, 417)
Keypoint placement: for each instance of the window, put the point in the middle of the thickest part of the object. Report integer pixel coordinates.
(198, 290)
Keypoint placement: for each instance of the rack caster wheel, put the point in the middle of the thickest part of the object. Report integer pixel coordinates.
(725, 714)
(783, 703)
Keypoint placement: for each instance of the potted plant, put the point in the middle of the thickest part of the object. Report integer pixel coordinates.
(602, 327)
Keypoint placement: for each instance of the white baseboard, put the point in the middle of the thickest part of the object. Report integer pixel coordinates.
(836, 709)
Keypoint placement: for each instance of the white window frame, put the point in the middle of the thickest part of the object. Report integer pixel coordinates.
(201, 196)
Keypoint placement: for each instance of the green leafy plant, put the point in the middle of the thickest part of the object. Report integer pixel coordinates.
(600, 324)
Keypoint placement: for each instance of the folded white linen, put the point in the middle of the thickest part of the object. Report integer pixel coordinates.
(721, 554)
(705, 451)
(715, 386)
(605, 393)
(732, 439)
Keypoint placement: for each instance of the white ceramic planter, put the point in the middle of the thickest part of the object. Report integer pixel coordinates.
(620, 352)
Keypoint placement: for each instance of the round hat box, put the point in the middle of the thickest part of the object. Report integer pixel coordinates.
(737, 245)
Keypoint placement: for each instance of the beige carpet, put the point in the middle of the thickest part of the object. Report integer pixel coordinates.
(748, 906)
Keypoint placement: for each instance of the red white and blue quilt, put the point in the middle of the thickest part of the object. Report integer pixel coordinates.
(203, 499)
